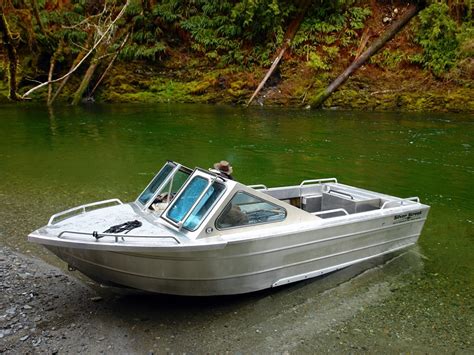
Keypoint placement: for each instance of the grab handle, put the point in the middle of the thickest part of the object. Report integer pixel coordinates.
(331, 211)
(341, 193)
(317, 181)
(414, 199)
(258, 187)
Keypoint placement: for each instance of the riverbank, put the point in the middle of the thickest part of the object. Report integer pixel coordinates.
(358, 309)
(371, 89)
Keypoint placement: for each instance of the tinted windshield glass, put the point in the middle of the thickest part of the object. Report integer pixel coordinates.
(155, 184)
(186, 200)
(204, 206)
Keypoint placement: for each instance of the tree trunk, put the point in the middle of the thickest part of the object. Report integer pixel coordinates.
(85, 81)
(146, 6)
(396, 27)
(12, 57)
(52, 64)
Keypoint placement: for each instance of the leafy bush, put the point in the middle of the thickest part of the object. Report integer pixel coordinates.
(316, 62)
(437, 35)
(389, 59)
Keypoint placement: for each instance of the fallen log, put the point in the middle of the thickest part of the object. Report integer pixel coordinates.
(86, 79)
(289, 35)
(396, 27)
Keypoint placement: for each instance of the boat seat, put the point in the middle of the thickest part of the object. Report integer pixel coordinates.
(352, 204)
(311, 203)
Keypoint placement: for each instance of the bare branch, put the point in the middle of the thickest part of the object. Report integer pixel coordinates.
(85, 57)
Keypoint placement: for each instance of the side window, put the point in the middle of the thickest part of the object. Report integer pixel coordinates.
(245, 209)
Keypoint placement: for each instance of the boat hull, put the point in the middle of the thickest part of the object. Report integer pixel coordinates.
(248, 264)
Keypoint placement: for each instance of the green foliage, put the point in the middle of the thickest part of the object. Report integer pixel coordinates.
(389, 59)
(225, 29)
(357, 17)
(437, 34)
(316, 62)
(327, 28)
(465, 38)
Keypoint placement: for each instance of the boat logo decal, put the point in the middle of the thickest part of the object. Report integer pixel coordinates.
(399, 218)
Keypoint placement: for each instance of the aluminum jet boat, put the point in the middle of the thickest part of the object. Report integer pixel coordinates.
(195, 232)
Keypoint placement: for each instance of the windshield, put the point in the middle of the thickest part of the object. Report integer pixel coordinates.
(172, 186)
(188, 198)
(155, 183)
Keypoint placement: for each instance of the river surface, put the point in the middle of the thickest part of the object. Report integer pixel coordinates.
(419, 300)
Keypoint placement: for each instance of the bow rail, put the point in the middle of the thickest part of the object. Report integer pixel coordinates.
(82, 209)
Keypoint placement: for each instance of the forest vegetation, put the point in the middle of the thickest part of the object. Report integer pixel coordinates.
(219, 51)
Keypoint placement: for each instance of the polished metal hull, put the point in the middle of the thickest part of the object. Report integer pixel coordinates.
(249, 264)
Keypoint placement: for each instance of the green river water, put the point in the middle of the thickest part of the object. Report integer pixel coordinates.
(51, 161)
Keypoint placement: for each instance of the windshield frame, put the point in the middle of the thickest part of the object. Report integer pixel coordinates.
(176, 167)
(210, 181)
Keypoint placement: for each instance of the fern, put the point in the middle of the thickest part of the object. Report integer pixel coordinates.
(437, 34)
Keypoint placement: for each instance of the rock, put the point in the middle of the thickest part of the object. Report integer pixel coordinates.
(27, 306)
(11, 310)
(24, 338)
(96, 299)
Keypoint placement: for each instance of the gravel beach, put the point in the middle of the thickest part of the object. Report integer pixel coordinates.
(43, 310)
(370, 308)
